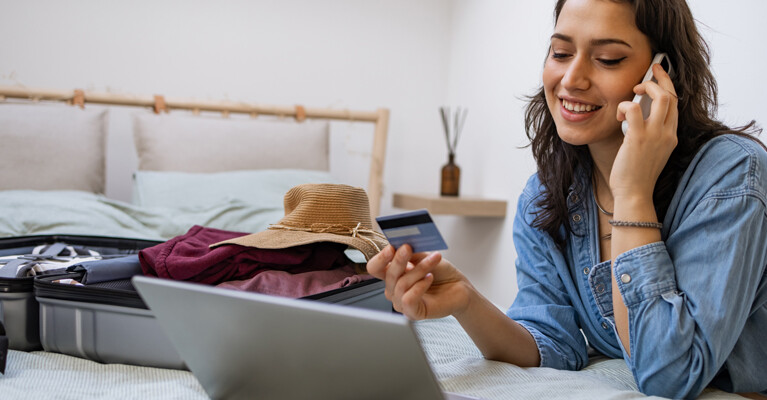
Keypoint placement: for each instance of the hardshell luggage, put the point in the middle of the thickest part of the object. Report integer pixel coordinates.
(110, 323)
(21, 258)
(105, 319)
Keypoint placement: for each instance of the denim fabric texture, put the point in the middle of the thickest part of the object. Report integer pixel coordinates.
(697, 300)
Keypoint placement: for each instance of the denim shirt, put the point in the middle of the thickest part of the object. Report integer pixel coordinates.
(697, 300)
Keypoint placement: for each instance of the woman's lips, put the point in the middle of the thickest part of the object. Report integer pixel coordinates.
(577, 112)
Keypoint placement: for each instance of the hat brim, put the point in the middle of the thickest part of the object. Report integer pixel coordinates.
(281, 239)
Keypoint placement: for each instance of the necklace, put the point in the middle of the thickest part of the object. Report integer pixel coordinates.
(602, 210)
(609, 235)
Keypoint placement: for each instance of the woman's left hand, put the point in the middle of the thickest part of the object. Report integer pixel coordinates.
(648, 144)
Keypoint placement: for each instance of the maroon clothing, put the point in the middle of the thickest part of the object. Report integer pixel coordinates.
(189, 257)
(295, 285)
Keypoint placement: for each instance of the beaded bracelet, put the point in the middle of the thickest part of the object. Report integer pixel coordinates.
(633, 224)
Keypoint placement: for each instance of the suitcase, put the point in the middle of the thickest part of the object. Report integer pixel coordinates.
(19, 309)
(108, 322)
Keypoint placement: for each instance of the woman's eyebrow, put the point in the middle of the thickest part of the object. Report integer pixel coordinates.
(593, 42)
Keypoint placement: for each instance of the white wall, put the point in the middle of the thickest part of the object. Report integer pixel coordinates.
(410, 56)
(330, 53)
(498, 49)
(735, 35)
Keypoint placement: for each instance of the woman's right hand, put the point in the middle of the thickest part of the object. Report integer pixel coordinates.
(421, 285)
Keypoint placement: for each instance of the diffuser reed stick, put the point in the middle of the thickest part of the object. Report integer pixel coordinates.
(451, 173)
(453, 132)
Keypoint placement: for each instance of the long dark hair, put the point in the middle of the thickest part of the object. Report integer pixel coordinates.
(671, 29)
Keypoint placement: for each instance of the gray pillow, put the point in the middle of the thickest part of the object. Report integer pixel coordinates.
(52, 147)
(213, 144)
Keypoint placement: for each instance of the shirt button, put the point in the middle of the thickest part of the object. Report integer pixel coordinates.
(600, 288)
(605, 326)
(625, 278)
(586, 270)
(577, 218)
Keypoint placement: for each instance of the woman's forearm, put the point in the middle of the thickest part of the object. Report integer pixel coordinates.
(638, 209)
(496, 335)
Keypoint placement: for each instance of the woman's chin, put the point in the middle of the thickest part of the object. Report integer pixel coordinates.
(580, 137)
(574, 138)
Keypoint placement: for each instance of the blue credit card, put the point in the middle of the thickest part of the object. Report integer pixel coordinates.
(415, 228)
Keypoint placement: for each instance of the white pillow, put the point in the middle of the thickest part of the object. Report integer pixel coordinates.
(52, 147)
(260, 188)
(213, 144)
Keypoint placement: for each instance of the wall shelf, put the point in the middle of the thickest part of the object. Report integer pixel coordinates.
(465, 206)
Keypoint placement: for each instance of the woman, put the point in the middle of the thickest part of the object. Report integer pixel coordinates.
(683, 302)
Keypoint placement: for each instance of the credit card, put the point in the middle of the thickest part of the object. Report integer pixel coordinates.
(415, 228)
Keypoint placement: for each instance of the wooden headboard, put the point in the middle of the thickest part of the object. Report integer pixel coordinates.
(160, 104)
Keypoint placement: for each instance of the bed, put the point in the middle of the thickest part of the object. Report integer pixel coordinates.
(200, 164)
(455, 360)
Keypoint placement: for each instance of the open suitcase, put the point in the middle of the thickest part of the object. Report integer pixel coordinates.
(105, 320)
(19, 309)
(110, 323)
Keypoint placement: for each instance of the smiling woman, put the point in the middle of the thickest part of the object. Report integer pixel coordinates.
(613, 233)
(599, 52)
(597, 55)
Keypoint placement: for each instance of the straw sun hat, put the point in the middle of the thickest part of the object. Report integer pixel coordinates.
(320, 213)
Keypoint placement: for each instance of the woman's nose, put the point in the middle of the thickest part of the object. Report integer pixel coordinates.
(577, 75)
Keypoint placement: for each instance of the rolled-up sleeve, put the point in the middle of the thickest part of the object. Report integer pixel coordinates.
(543, 305)
(689, 298)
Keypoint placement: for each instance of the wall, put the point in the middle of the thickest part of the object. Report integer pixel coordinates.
(409, 56)
(330, 53)
(497, 52)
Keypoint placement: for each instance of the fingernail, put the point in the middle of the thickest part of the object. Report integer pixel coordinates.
(402, 254)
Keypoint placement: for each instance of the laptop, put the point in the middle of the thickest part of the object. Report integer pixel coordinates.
(242, 345)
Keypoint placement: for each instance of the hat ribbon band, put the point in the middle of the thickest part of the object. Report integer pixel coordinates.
(337, 230)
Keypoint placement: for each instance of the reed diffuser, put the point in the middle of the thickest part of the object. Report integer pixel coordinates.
(451, 173)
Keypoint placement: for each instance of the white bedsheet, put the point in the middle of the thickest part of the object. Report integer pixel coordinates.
(460, 367)
(456, 362)
(43, 375)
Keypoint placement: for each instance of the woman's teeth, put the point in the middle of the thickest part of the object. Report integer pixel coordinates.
(578, 107)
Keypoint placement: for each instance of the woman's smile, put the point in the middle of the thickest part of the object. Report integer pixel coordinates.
(576, 111)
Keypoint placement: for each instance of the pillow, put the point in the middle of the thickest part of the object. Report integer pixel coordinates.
(205, 144)
(52, 147)
(260, 188)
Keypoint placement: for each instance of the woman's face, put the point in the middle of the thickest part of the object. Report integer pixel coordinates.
(597, 56)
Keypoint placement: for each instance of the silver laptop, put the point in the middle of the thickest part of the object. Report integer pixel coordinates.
(243, 345)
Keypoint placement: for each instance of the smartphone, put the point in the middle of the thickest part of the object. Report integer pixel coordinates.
(644, 100)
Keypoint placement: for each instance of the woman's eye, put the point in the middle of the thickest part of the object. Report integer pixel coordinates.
(555, 55)
(611, 61)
